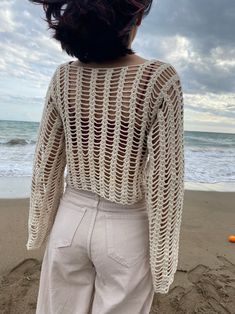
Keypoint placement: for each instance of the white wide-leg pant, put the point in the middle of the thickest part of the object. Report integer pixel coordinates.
(97, 258)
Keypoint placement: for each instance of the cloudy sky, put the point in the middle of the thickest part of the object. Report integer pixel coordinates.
(195, 36)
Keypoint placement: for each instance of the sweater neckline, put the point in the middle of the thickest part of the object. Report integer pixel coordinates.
(111, 68)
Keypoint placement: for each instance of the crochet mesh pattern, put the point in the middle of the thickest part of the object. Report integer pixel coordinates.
(119, 132)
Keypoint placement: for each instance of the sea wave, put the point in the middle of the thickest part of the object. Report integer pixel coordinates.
(214, 140)
(17, 141)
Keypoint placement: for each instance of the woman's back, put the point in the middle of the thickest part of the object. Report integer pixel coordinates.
(106, 115)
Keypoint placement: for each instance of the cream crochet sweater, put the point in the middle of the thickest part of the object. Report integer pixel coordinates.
(119, 133)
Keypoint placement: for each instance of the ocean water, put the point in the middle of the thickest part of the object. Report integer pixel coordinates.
(209, 157)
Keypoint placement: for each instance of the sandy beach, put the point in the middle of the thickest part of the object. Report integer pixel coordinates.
(205, 279)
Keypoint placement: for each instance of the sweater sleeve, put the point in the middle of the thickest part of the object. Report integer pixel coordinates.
(47, 184)
(165, 183)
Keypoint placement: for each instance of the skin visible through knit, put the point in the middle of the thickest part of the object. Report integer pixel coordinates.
(119, 132)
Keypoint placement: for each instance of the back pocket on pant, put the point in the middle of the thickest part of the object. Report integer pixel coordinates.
(127, 238)
(67, 221)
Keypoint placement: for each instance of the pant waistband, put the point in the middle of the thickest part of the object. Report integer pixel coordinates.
(84, 197)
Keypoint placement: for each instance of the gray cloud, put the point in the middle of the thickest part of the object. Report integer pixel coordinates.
(208, 25)
(196, 36)
(225, 112)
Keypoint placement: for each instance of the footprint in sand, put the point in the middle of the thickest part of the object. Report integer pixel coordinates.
(195, 274)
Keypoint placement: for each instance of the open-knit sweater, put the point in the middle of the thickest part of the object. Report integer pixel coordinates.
(119, 132)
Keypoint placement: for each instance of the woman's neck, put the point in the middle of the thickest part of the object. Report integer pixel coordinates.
(123, 61)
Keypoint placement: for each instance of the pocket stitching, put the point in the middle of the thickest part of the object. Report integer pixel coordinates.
(111, 249)
(67, 242)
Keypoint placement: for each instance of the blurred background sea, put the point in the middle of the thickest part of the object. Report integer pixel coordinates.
(209, 157)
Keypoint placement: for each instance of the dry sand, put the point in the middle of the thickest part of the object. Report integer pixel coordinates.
(204, 281)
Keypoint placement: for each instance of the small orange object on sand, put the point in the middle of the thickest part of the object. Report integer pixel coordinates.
(231, 238)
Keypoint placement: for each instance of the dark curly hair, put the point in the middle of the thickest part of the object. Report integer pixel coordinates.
(94, 30)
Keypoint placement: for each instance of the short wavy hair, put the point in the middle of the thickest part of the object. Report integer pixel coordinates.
(93, 30)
